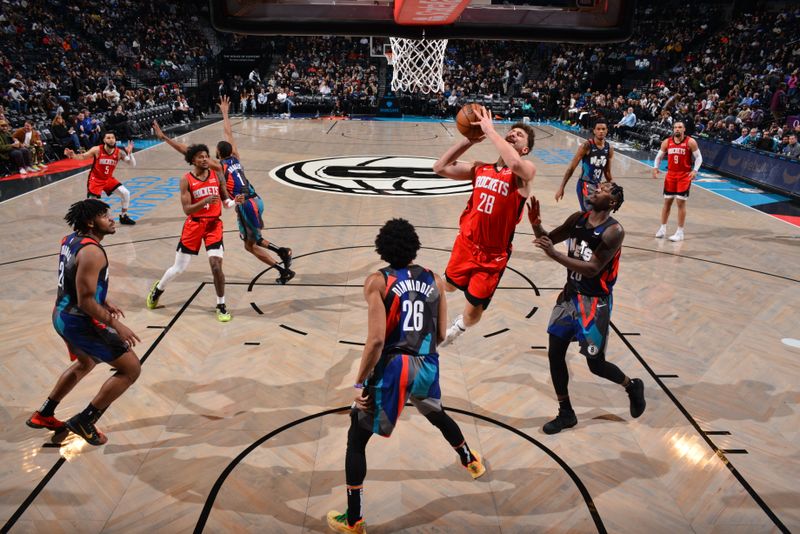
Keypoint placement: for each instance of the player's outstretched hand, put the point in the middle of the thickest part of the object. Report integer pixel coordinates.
(224, 104)
(534, 214)
(157, 129)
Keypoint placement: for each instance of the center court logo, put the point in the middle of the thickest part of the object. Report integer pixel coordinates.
(398, 176)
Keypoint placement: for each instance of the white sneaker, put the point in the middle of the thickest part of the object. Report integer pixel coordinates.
(453, 332)
(22, 170)
(661, 232)
(677, 236)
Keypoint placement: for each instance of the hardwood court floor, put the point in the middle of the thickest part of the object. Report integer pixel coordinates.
(700, 322)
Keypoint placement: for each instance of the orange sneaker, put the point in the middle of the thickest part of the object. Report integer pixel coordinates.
(338, 523)
(475, 467)
(37, 420)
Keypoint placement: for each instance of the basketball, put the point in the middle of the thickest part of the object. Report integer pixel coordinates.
(466, 116)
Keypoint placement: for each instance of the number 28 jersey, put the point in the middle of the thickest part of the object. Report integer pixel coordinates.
(494, 209)
(412, 311)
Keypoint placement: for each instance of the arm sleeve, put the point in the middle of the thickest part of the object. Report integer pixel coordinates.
(130, 159)
(698, 160)
(659, 157)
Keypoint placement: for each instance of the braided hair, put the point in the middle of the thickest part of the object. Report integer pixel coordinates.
(617, 194)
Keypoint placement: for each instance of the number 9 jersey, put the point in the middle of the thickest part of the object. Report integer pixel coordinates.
(412, 311)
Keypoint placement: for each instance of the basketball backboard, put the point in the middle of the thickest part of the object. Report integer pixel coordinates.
(577, 21)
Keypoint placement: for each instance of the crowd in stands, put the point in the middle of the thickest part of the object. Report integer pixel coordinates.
(68, 69)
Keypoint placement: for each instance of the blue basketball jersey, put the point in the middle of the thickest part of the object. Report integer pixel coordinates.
(235, 180)
(412, 311)
(67, 299)
(593, 164)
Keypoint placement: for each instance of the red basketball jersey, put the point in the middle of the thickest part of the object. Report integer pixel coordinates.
(104, 164)
(679, 156)
(201, 189)
(493, 210)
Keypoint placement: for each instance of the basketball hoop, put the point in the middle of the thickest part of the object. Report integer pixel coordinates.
(418, 64)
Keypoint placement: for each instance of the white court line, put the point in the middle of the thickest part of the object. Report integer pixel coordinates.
(78, 173)
(617, 152)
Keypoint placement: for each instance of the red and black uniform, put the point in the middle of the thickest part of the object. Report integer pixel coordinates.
(101, 175)
(486, 229)
(679, 167)
(203, 225)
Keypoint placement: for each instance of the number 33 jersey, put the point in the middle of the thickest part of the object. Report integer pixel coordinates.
(412, 310)
(493, 210)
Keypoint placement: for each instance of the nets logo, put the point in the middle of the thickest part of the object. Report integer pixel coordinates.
(397, 176)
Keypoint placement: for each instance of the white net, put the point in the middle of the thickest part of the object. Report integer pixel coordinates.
(418, 64)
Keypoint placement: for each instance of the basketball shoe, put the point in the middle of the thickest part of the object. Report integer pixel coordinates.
(223, 315)
(153, 296)
(286, 257)
(338, 523)
(475, 467)
(85, 429)
(636, 395)
(37, 420)
(455, 330)
(563, 420)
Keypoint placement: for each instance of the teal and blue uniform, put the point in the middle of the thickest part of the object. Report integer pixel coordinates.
(81, 332)
(593, 170)
(248, 214)
(583, 309)
(408, 368)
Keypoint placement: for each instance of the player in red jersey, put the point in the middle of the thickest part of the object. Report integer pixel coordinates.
(202, 191)
(680, 150)
(101, 175)
(486, 228)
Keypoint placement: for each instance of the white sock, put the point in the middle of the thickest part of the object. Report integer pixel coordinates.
(663, 227)
(679, 230)
(220, 300)
(459, 322)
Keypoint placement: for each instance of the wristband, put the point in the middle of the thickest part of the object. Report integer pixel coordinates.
(359, 385)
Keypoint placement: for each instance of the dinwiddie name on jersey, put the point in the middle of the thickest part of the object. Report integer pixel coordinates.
(492, 184)
(404, 286)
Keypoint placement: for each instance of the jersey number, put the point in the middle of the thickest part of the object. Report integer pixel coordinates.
(61, 274)
(413, 312)
(486, 203)
(677, 159)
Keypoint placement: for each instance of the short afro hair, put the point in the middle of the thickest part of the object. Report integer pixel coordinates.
(224, 149)
(83, 212)
(193, 151)
(397, 243)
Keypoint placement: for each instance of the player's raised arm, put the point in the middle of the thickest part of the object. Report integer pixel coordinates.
(449, 166)
(224, 107)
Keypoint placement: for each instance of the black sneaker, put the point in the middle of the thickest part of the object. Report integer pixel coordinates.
(125, 219)
(286, 257)
(85, 429)
(563, 420)
(636, 394)
(285, 276)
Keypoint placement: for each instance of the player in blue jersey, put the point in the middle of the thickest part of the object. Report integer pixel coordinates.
(407, 318)
(594, 157)
(583, 308)
(88, 323)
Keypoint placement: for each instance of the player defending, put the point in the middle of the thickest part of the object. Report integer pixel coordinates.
(595, 157)
(486, 228)
(583, 308)
(680, 149)
(88, 323)
(101, 175)
(407, 316)
(201, 196)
